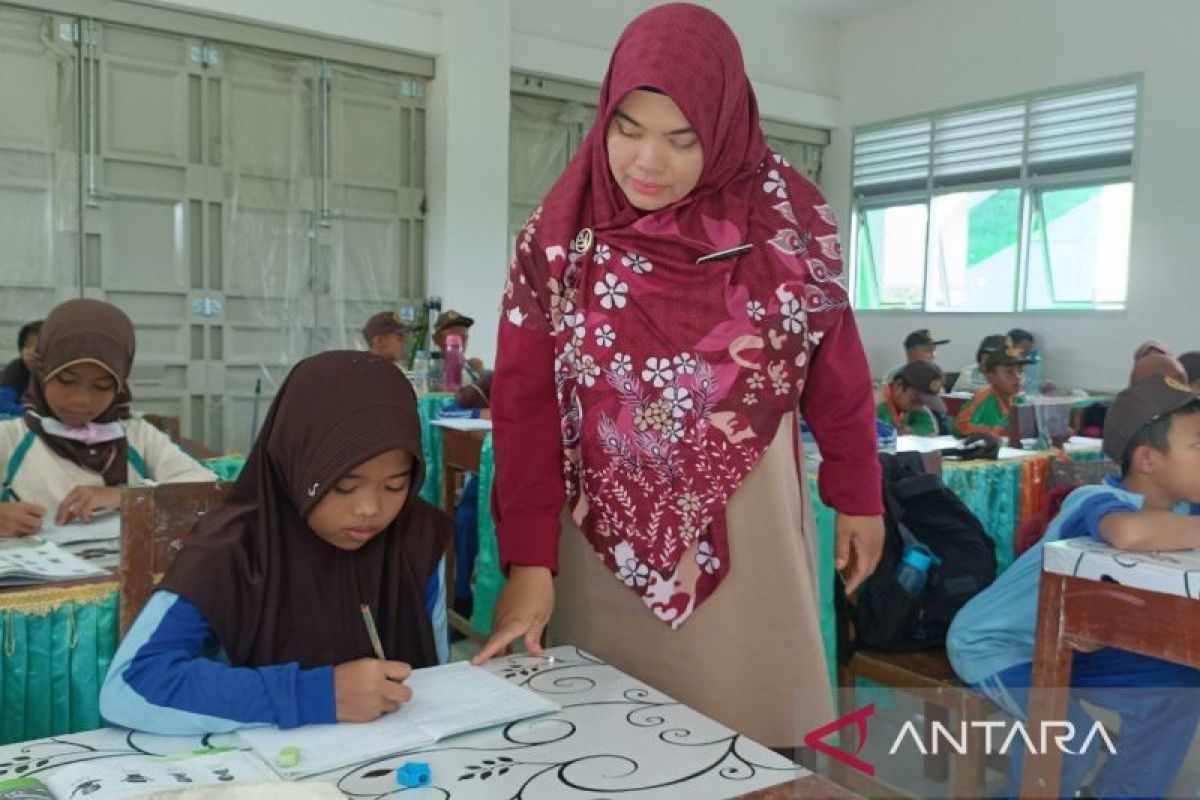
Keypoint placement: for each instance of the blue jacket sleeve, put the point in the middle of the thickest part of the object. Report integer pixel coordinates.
(1086, 519)
(168, 676)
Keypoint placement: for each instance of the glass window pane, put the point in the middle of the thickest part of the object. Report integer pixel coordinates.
(1079, 247)
(973, 247)
(890, 250)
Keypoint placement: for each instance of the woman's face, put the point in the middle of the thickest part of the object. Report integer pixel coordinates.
(79, 393)
(364, 501)
(654, 154)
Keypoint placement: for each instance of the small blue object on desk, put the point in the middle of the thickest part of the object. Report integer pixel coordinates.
(413, 774)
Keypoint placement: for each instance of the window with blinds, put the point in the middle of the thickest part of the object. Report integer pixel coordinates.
(1005, 206)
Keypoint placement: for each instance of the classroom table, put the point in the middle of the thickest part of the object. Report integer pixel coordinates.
(1096, 596)
(613, 737)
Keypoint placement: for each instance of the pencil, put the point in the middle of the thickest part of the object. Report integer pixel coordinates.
(372, 632)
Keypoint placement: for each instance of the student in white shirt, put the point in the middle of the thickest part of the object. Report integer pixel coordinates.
(77, 444)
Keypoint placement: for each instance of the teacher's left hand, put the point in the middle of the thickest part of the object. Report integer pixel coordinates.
(859, 545)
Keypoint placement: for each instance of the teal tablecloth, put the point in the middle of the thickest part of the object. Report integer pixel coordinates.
(428, 406)
(56, 645)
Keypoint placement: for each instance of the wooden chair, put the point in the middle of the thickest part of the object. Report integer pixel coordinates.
(154, 522)
(1078, 473)
(947, 700)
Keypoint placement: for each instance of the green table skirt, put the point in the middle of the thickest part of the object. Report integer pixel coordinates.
(57, 645)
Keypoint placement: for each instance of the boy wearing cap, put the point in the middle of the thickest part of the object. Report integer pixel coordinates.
(988, 410)
(911, 399)
(971, 378)
(1153, 431)
(452, 323)
(920, 345)
(385, 334)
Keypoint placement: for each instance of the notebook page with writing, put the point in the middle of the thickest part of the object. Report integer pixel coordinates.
(447, 700)
(138, 776)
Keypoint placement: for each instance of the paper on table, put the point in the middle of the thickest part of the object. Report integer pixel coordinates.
(464, 424)
(31, 560)
(102, 528)
(138, 776)
(447, 700)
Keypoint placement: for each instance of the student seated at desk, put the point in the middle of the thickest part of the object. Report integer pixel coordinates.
(971, 379)
(920, 345)
(988, 410)
(77, 444)
(14, 381)
(1153, 430)
(259, 619)
(911, 399)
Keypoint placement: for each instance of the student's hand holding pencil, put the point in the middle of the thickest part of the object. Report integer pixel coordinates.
(20, 519)
(368, 688)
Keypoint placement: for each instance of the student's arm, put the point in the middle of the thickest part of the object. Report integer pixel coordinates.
(1128, 529)
(163, 680)
(924, 423)
(166, 462)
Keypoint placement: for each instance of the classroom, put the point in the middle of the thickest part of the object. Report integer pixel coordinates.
(568, 399)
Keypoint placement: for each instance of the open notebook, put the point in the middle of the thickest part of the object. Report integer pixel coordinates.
(447, 700)
(32, 559)
(141, 776)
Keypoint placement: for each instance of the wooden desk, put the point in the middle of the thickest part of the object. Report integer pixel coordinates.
(460, 454)
(1151, 610)
(614, 737)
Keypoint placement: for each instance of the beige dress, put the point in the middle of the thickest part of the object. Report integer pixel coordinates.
(751, 655)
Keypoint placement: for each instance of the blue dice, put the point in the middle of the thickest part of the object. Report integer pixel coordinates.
(413, 774)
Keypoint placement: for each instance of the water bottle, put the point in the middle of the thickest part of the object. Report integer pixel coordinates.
(913, 570)
(420, 372)
(452, 362)
(434, 377)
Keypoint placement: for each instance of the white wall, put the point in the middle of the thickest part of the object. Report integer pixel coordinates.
(477, 43)
(934, 54)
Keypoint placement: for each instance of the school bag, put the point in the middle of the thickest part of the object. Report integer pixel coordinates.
(919, 510)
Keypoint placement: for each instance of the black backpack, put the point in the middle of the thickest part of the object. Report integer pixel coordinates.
(918, 508)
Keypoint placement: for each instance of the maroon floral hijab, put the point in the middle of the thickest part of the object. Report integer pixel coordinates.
(673, 374)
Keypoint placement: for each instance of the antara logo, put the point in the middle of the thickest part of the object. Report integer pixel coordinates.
(1052, 733)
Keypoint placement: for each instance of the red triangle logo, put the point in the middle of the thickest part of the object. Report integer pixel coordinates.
(858, 719)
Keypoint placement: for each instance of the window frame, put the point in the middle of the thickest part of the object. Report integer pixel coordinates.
(1031, 182)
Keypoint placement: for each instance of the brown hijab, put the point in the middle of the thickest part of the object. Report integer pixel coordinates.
(80, 331)
(273, 591)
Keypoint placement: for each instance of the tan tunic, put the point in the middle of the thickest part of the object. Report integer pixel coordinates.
(751, 656)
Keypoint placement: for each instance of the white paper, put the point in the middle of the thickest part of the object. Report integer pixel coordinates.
(447, 700)
(925, 444)
(103, 528)
(138, 776)
(464, 424)
(30, 559)
(1085, 442)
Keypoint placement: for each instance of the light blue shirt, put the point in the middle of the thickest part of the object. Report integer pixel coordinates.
(995, 630)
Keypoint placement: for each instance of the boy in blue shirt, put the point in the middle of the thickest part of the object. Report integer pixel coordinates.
(1153, 430)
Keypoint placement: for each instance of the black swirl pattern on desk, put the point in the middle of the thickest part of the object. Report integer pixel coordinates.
(658, 745)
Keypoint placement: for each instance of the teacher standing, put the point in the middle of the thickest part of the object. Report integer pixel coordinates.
(672, 305)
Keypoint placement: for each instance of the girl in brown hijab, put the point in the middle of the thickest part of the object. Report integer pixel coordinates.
(258, 619)
(77, 444)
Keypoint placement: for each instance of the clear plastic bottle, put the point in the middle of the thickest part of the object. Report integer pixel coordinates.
(452, 362)
(420, 372)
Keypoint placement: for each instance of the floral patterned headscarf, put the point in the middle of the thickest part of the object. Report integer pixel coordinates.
(673, 371)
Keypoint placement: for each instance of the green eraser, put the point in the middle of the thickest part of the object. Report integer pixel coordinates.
(288, 756)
